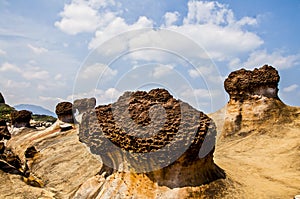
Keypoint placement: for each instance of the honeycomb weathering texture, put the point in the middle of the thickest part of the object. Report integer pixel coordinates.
(242, 84)
(142, 122)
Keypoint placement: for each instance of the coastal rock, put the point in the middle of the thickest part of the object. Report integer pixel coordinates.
(142, 128)
(21, 118)
(2, 101)
(253, 102)
(4, 133)
(244, 84)
(258, 141)
(64, 111)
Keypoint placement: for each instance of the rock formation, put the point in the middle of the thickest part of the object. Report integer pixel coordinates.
(259, 137)
(253, 101)
(21, 118)
(64, 111)
(245, 84)
(142, 129)
(2, 101)
(4, 133)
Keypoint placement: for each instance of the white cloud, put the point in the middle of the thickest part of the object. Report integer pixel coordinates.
(28, 72)
(37, 50)
(97, 70)
(2, 52)
(261, 57)
(118, 25)
(103, 96)
(6, 67)
(162, 70)
(33, 74)
(83, 16)
(290, 88)
(11, 84)
(170, 18)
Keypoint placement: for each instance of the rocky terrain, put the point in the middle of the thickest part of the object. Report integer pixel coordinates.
(150, 145)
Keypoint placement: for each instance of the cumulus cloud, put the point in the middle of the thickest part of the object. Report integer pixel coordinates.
(83, 16)
(261, 57)
(97, 70)
(170, 18)
(290, 88)
(37, 50)
(118, 25)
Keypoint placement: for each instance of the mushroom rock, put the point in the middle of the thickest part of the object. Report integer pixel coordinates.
(64, 111)
(154, 135)
(253, 102)
(21, 118)
(2, 101)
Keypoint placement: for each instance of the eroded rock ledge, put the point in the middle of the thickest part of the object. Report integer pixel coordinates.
(153, 122)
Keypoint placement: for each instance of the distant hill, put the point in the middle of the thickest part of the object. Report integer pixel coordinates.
(37, 110)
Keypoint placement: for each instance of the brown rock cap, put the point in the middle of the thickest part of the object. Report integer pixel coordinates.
(21, 118)
(64, 111)
(243, 84)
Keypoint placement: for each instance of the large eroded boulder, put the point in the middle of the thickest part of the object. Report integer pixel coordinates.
(155, 134)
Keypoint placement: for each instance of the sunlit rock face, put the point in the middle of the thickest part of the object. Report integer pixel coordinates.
(155, 136)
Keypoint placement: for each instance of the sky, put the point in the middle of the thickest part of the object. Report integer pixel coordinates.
(53, 51)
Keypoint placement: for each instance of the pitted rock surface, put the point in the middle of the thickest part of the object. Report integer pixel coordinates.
(21, 118)
(243, 84)
(127, 125)
(122, 131)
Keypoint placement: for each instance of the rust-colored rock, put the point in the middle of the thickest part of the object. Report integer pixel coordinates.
(64, 111)
(21, 118)
(243, 84)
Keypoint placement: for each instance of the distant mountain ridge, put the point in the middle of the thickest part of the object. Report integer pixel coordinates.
(35, 109)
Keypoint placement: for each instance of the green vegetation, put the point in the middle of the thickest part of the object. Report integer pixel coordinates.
(44, 118)
(5, 111)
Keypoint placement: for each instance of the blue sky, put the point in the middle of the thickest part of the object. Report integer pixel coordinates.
(52, 50)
